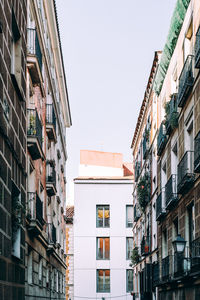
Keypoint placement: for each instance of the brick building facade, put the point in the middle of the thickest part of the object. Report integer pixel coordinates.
(13, 15)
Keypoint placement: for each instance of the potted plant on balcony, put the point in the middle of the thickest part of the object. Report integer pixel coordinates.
(134, 257)
(143, 190)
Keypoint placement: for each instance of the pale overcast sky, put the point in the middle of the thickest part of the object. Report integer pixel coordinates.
(108, 48)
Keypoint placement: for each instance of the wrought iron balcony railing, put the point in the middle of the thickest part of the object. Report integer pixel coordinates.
(145, 245)
(137, 213)
(155, 274)
(34, 128)
(171, 120)
(171, 196)
(195, 255)
(197, 49)
(50, 174)
(186, 173)
(160, 206)
(161, 139)
(145, 146)
(186, 81)
(197, 153)
(33, 46)
(35, 208)
(137, 170)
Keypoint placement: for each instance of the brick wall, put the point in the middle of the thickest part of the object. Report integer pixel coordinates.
(12, 149)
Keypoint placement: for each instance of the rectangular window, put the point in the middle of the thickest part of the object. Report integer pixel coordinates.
(129, 215)
(103, 281)
(103, 216)
(129, 247)
(103, 248)
(129, 281)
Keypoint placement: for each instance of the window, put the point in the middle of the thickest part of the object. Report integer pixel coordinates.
(40, 272)
(129, 215)
(103, 281)
(15, 51)
(129, 247)
(16, 220)
(103, 216)
(129, 281)
(191, 224)
(30, 268)
(164, 244)
(103, 248)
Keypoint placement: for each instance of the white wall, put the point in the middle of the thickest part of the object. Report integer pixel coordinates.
(87, 196)
(89, 170)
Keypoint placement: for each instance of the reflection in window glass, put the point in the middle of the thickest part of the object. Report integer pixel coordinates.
(103, 216)
(129, 247)
(103, 281)
(129, 280)
(103, 248)
(129, 215)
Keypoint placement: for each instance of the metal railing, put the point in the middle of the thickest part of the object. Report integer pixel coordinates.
(195, 255)
(50, 173)
(161, 139)
(33, 45)
(145, 245)
(197, 49)
(34, 207)
(155, 274)
(171, 190)
(171, 121)
(186, 81)
(50, 115)
(34, 126)
(160, 205)
(185, 172)
(51, 232)
(197, 153)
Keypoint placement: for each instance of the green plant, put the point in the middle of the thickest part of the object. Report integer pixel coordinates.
(17, 211)
(134, 257)
(147, 133)
(143, 190)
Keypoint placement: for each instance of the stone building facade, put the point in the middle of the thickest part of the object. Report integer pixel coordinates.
(69, 219)
(13, 19)
(145, 251)
(48, 115)
(175, 272)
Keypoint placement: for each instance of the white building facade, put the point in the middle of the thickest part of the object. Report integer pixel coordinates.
(103, 237)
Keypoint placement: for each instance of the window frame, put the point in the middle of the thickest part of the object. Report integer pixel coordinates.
(127, 257)
(104, 281)
(127, 282)
(97, 222)
(104, 252)
(129, 206)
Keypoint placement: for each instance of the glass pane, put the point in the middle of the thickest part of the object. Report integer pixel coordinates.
(107, 281)
(129, 216)
(100, 280)
(129, 280)
(100, 248)
(129, 247)
(107, 216)
(107, 248)
(99, 217)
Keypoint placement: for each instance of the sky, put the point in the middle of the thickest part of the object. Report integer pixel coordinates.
(108, 48)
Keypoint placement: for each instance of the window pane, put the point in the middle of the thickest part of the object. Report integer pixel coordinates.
(103, 216)
(103, 281)
(129, 278)
(107, 216)
(99, 217)
(129, 216)
(103, 248)
(107, 248)
(100, 248)
(129, 247)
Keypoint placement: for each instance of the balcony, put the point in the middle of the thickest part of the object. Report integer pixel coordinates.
(145, 245)
(34, 56)
(34, 134)
(161, 139)
(195, 255)
(160, 206)
(34, 213)
(137, 170)
(171, 120)
(51, 233)
(51, 122)
(165, 268)
(186, 175)
(50, 179)
(186, 81)
(197, 49)
(171, 197)
(155, 274)
(197, 153)
(137, 213)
